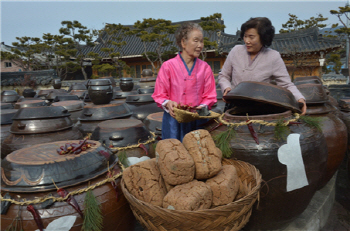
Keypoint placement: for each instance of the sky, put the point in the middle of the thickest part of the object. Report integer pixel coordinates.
(34, 18)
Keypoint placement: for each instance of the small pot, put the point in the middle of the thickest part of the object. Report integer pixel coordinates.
(9, 96)
(56, 83)
(126, 84)
(100, 94)
(27, 93)
(147, 73)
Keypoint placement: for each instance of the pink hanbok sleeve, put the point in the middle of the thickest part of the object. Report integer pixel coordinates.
(209, 96)
(162, 86)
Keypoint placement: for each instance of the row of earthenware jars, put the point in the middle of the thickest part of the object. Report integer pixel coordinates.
(34, 125)
(271, 103)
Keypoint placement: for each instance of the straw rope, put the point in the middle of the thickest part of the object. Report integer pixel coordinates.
(61, 199)
(185, 116)
(150, 140)
(262, 122)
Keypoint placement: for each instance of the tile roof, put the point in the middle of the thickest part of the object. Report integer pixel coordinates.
(307, 40)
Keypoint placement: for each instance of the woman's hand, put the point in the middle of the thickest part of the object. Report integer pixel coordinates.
(227, 90)
(303, 109)
(170, 106)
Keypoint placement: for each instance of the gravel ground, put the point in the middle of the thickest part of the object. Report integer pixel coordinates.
(339, 217)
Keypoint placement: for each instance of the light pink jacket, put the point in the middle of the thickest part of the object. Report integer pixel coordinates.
(268, 64)
(175, 83)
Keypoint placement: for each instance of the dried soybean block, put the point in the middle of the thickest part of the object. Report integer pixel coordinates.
(175, 163)
(144, 181)
(195, 195)
(224, 185)
(207, 157)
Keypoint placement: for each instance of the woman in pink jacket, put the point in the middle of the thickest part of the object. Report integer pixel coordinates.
(184, 80)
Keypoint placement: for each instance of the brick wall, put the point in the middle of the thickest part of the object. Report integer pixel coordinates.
(13, 67)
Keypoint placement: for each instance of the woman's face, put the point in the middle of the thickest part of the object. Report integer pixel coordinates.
(194, 44)
(252, 41)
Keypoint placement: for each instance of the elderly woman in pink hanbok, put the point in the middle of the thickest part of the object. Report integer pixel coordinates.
(185, 80)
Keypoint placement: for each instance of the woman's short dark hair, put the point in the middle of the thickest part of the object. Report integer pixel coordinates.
(183, 31)
(264, 27)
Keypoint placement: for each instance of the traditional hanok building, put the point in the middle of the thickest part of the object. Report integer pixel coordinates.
(303, 51)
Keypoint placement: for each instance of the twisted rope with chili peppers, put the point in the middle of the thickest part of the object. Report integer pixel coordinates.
(62, 199)
(262, 122)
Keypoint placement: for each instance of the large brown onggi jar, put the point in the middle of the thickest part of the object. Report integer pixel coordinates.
(277, 207)
(333, 128)
(269, 103)
(33, 173)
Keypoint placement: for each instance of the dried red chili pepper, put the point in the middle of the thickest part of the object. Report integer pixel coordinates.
(36, 217)
(215, 127)
(68, 146)
(252, 132)
(70, 200)
(61, 152)
(144, 148)
(77, 151)
(81, 143)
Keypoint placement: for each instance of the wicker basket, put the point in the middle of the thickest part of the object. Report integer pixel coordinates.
(183, 116)
(232, 216)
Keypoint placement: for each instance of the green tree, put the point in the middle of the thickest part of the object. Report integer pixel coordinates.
(294, 23)
(80, 38)
(111, 40)
(55, 48)
(154, 37)
(294, 53)
(342, 15)
(25, 53)
(211, 25)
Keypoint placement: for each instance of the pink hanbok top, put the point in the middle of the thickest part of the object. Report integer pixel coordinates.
(186, 87)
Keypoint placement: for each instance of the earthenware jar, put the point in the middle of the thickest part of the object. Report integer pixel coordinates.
(125, 133)
(279, 204)
(93, 114)
(9, 96)
(142, 105)
(33, 173)
(56, 83)
(126, 84)
(100, 91)
(28, 93)
(74, 107)
(333, 128)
